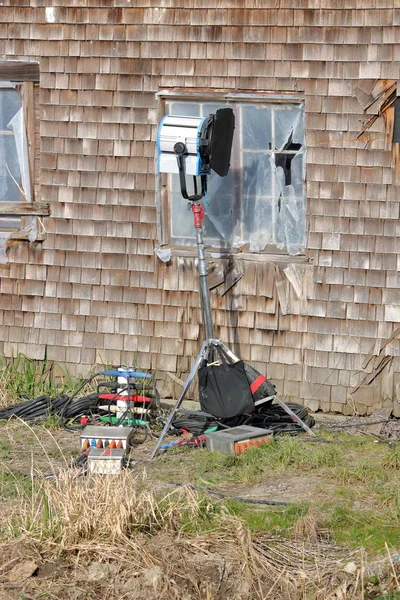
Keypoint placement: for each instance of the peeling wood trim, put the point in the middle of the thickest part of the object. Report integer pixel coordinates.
(176, 379)
(246, 256)
(24, 208)
(232, 276)
(380, 361)
(18, 70)
(243, 96)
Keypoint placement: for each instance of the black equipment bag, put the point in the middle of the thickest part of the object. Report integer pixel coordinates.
(224, 390)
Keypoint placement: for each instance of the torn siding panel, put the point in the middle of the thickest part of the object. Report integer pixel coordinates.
(282, 288)
(4, 237)
(302, 279)
(265, 280)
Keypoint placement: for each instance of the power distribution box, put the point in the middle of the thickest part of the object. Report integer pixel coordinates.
(105, 437)
(106, 462)
(237, 440)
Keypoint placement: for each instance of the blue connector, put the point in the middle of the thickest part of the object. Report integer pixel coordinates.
(126, 374)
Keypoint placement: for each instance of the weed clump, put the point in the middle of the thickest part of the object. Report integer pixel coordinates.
(23, 377)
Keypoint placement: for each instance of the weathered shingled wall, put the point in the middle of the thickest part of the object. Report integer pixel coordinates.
(94, 291)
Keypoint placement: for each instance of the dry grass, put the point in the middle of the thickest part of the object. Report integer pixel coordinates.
(117, 538)
(126, 537)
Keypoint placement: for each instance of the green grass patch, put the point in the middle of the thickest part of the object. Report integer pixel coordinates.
(280, 456)
(391, 461)
(357, 498)
(23, 377)
(360, 472)
(14, 485)
(5, 447)
(369, 529)
(340, 461)
(277, 520)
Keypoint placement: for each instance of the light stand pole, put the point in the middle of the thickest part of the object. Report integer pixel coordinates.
(208, 330)
(198, 216)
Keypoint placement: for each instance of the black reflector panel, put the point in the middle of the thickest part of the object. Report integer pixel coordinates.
(221, 143)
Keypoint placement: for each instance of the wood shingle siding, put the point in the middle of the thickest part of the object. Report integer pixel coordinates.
(94, 291)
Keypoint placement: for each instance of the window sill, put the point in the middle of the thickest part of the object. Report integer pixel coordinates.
(272, 257)
(24, 209)
(18, 236)
(20, 209)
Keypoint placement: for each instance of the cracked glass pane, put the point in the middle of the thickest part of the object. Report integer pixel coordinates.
(10, 173)
(258, 126)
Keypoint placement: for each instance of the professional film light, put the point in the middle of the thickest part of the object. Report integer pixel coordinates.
(195, 146)
(207, 141)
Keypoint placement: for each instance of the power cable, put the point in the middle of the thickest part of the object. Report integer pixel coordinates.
(228, 496)
(348, 425)
(45, 406)
(272, 417)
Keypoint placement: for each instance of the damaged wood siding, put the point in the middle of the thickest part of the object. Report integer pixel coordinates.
(94, 291)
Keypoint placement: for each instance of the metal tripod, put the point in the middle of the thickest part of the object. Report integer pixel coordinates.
(209, 345)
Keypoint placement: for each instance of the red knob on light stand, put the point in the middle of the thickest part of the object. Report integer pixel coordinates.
(198, 215)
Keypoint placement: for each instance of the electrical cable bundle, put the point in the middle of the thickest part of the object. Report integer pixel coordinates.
(272, 417)
(44, 406)
(195, 423)
(70, 408)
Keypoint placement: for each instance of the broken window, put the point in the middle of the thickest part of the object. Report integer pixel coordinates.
(260, 205)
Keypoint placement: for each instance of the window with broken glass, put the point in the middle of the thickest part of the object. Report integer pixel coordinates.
(260, 205)
(19, 212)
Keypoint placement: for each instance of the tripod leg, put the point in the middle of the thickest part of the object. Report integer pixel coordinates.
(293, 415)
(188, 382)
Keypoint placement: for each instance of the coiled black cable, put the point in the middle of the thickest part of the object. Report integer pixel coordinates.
(272, 417)
(44, 406)
(63, 414)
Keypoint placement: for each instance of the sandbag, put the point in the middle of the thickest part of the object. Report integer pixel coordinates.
(224, 390)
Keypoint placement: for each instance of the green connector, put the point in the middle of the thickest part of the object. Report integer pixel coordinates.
(115, 420)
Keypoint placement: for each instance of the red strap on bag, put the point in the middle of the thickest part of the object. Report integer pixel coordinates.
(257, 382)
